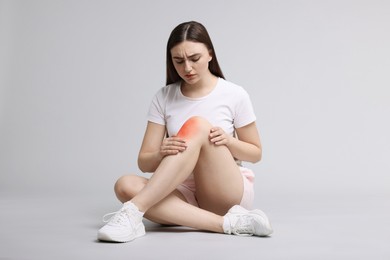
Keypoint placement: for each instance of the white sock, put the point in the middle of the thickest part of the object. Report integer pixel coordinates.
(132, 206)
(226, 225)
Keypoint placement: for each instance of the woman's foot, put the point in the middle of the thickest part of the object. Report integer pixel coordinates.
(124, 226)
(242, 222)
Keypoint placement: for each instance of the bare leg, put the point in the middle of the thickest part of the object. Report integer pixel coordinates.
(172, 210)
(173, 170)
(219, 186)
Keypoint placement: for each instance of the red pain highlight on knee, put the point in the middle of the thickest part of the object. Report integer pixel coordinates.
(189, 128)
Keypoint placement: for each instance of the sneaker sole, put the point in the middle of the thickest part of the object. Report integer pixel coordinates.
(122, 239)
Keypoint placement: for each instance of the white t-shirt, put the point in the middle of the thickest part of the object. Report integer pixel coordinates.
(227, 106)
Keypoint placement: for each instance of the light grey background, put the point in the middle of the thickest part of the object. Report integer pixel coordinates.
(77, 77)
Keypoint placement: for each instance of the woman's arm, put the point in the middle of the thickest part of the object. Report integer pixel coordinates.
(149, 156)
(247, 147)
(155, 147)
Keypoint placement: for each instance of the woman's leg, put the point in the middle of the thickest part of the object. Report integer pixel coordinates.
(172, 210)
(218, 178)
(219, 187)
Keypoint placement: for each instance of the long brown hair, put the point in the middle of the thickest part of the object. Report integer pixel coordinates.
(195, 32)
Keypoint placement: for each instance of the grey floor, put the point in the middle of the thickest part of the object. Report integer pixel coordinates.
(306, 227)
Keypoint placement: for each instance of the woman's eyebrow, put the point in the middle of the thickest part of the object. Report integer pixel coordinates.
(191, 56)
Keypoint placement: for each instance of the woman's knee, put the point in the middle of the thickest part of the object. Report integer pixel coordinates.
(195, 125)
(126, 187)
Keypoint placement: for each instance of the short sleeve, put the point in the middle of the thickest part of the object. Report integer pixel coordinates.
(156, 112)
(244, 113)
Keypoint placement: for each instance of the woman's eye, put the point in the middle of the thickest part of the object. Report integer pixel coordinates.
(196, 59)
(179, 61)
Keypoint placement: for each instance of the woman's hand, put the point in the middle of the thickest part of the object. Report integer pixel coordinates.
(172, 145)
(219, 137)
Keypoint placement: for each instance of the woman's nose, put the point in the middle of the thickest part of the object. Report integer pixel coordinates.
(187, 67)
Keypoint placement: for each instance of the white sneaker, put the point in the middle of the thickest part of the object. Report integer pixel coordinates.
(242, 222)
(124, 226)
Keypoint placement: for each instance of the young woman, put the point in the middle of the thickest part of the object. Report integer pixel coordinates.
(200, 127)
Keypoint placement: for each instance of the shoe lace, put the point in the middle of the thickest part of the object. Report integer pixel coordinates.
(243, 226)
(117, 217)
(107, 217)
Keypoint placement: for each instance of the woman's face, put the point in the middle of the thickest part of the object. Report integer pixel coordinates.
(191, 61)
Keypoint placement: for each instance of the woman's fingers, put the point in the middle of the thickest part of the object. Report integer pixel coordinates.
(218, 136)
(172, 145)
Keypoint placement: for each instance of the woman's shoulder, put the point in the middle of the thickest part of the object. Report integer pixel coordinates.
(231, 87)
(168, 90)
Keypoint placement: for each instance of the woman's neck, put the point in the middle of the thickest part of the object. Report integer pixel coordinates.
(201, 88)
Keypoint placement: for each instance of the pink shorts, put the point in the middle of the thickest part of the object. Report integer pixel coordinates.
(188, 188)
